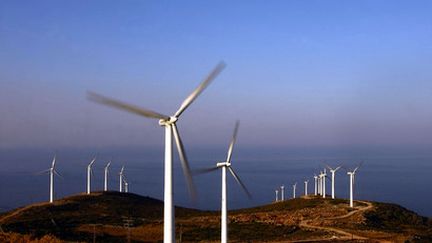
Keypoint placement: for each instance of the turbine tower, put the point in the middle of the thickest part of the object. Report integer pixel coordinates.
(320, 183)
(224, 166)
(294, 190)
(126, 185)
(121, 178)
(333, 171)
(89, 174)
(282, 189)
(316, 184)
(277, 195)
(106, 171)
(352, 178)
(306, 187)
(169, 123)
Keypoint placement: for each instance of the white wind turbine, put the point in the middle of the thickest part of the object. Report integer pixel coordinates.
(106, 172)
(333, 171)
(320, 183)
(294, 190)
(352, 178)
(169, 122)
(306, 187)
(121, 178)
(323, 182)
(277, 195)
(282, 189)
(126, 185)
(316, 184)
(224, 166)
(89, 174)
(52, 171)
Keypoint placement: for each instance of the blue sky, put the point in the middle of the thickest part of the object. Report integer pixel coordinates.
(299, 73)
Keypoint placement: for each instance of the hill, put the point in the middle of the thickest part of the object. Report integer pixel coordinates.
(116, 217)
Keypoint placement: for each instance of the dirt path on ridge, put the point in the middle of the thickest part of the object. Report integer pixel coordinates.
(343, 235)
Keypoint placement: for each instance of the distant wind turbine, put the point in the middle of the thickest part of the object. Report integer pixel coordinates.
(333, 171)
(306, 187)
(294, 190)
(89, 174)
(51, 171)
(106, 172)
(224, 166)
(316, 184)
(277, 195)
(352, 178)
(169, 122)
(121, 178)
(282, 189)
(323, 182)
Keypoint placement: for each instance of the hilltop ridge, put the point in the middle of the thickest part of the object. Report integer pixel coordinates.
(105, 216)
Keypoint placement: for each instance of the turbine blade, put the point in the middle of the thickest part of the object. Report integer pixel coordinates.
(42, 172)
(361, 163)
(58, 174)
(337, 168)
(204, 170)
(234, 138)
(124, 106)
(184, 163)
(200, 89)
(326, 165)
(237, 178)
(54, 161)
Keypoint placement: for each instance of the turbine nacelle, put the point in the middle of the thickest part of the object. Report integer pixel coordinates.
(167, 122)
(221, 164)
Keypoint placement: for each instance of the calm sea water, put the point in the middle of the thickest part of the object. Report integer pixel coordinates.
(388, 175)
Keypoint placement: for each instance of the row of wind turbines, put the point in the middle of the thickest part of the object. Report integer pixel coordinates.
(320, 185)
(123, 186)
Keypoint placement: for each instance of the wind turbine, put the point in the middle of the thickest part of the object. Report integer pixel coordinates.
(169, 123)
(121, 178)
(306, 187)
(323, 182)
(352, 178)
(224, 166)
(294, 190)
(333, 171)
(282, 193)
(51, 171)
(126, 186)
(320, 183)
(277, 195)
(106, 171)
(89, 174)
(316, 184)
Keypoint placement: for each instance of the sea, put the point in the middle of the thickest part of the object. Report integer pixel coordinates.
(393, 175)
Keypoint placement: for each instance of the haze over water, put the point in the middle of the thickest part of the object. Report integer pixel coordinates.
(385, 175)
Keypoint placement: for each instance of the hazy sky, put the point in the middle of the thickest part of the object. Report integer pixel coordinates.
(299, 73)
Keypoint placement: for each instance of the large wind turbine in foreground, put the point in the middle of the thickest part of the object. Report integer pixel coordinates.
(106, 172)
(89, 174)
(169, 122)
(352, 178)
(224, 166)
(333, 171)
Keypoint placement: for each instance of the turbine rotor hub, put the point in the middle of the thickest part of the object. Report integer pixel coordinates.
(168, 121)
